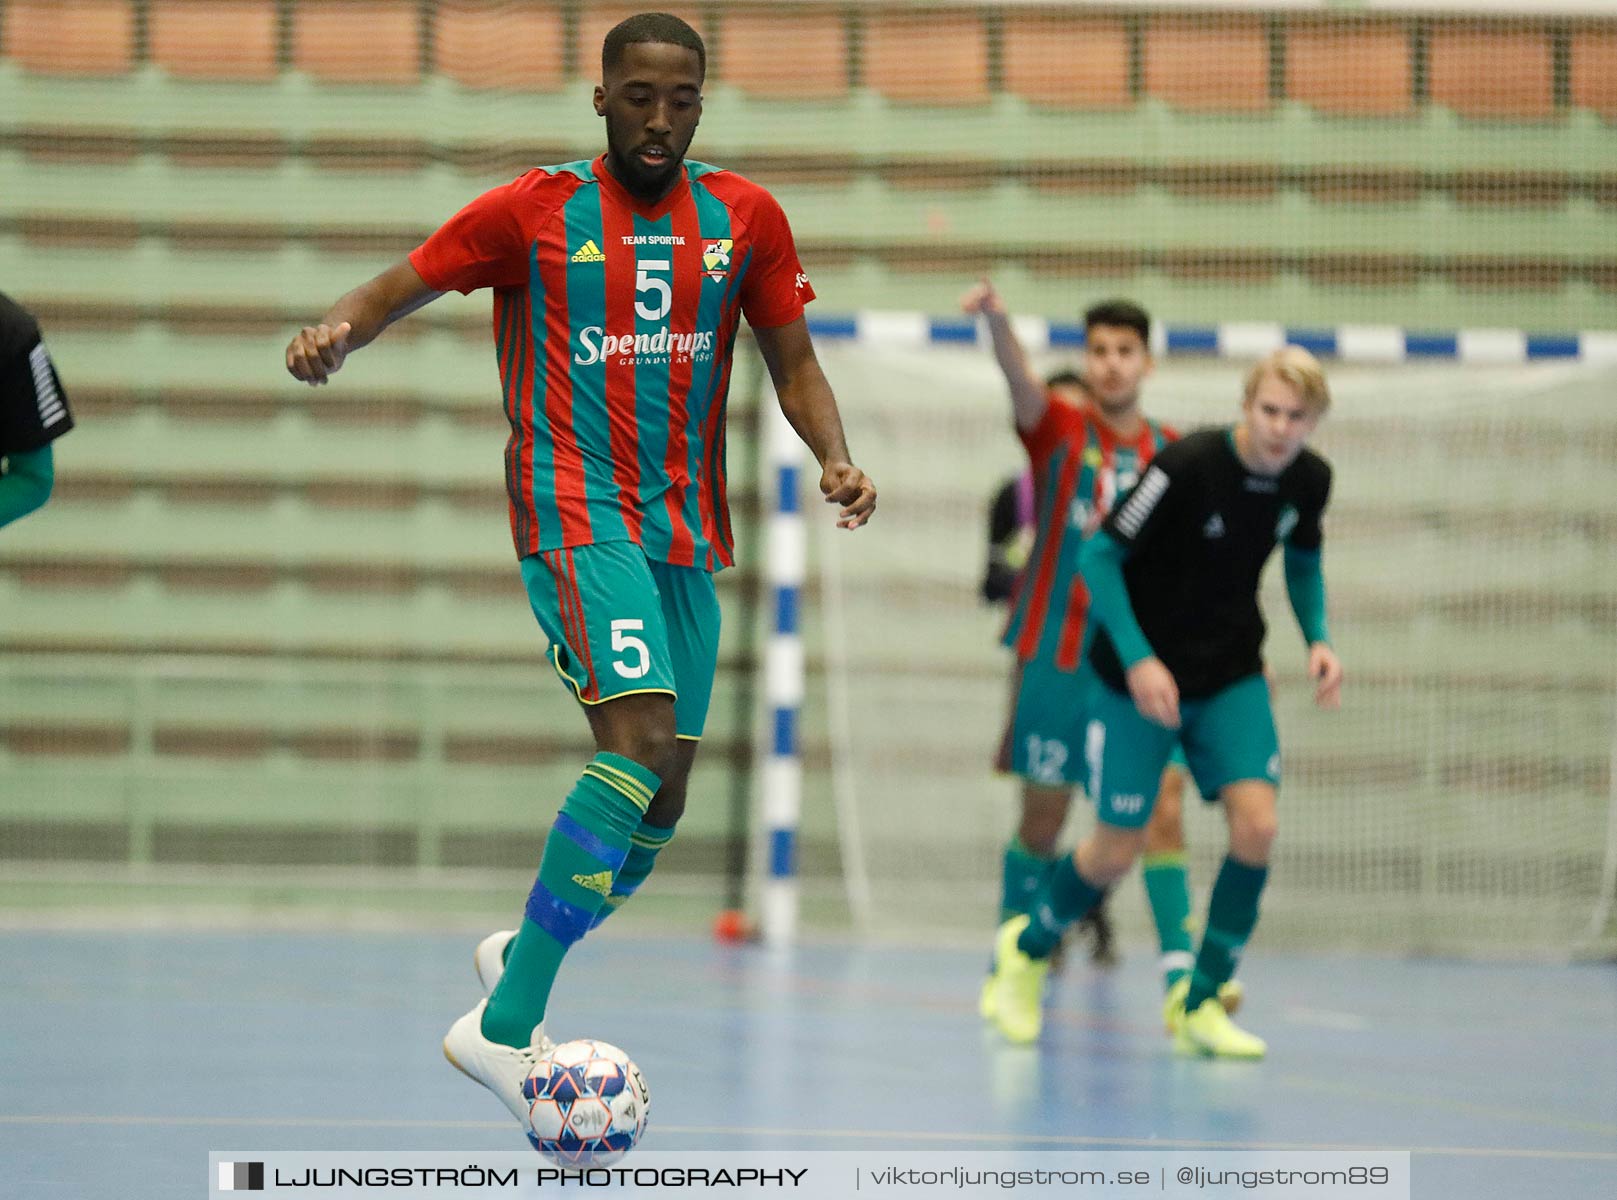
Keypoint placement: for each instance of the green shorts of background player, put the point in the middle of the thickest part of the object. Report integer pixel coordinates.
(1044, 748)
(1233, 756)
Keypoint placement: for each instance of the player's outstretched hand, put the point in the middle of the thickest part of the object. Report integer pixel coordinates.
(317, 352)
(1155, 693)
(1325, 669)
(983, 300)
(845, 484)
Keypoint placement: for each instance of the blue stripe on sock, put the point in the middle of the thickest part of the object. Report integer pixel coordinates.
(563, 921)
(586, 841)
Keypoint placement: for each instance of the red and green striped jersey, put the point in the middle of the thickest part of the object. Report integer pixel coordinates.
(1079, 468)
(614, 324)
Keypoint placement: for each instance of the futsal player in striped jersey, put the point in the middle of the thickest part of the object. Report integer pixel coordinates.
(1012, 526)
(1085, 451)
(1174, 575)
(33, 414)
(619, 285)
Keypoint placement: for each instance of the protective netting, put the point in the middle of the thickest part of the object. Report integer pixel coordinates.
(1217, 163)
(266, 627)
(1461, 800)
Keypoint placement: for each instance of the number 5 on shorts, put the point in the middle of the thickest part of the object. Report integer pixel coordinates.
(622, 642)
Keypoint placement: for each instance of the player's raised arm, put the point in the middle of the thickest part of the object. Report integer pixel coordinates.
(318, 351)
(1027, 393)
(806, 399)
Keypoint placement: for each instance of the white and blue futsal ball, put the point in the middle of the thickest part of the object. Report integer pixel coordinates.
(587, 1103)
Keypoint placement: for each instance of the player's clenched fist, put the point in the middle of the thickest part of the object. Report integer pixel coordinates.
(845, 484)
(317, 351)
(982, 299)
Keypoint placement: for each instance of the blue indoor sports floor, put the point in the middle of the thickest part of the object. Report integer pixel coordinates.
(125, 1057)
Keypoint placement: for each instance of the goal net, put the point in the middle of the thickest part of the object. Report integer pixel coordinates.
(1461, 800)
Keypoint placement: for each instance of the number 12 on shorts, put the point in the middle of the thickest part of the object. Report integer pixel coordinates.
(624, 643)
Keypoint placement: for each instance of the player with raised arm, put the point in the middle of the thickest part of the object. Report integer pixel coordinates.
(619, 285)
(1085, 450)
(1012, 527)
(1174, 576)
(33, 414)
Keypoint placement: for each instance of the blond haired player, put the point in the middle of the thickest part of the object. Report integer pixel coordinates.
(1173, 575)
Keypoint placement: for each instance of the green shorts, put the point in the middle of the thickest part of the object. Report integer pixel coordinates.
(621, 624)
(1046, 730)
(1044, 737)
(1227, 737)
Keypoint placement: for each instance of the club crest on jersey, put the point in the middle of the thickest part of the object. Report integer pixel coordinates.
(716, 257)
(589, 252)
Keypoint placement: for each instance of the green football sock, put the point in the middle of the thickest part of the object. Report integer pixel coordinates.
(1232, 913)
(587, 845)
(1019, 883)
(1167, 887)
(644, 846)
(1064, 897)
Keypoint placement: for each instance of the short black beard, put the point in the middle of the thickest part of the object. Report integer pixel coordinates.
(640, 183)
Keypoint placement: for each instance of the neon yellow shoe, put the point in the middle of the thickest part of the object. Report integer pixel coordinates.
(1230, 996)
(1209, 1033)
(985, 1001)
(1173, 1004)
(1017, 985)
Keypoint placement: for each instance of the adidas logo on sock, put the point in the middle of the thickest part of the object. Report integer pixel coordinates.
(588, 252)
(600, 882)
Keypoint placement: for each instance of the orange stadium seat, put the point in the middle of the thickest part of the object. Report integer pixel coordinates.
(1359, 69)
(492, 44)
(796, 54)
(1059, 61)
(69, 37)
(1491, 71)
(1200, 65)
(936, 57)
(214, 39)
(357, 41)
(1594, 71)
(596, 20)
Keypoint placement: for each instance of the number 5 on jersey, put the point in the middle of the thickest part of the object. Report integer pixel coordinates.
(645, 281)
(624, 643)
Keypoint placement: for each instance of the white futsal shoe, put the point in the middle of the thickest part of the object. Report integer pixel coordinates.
(501, 1069)
(490, 958)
